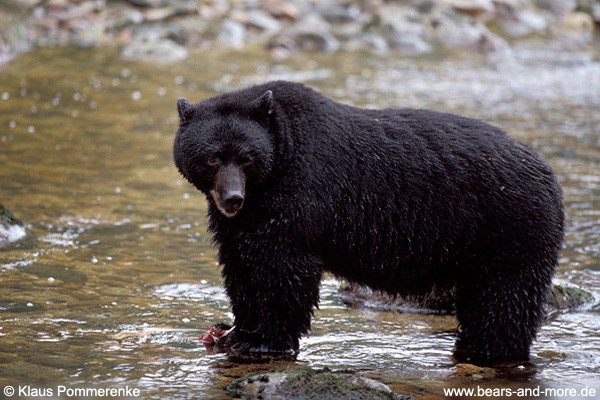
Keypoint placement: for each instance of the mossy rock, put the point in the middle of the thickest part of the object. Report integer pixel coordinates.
(8, 218)
(443, 301)
(567, 297)
(11, 227)
(310, 384)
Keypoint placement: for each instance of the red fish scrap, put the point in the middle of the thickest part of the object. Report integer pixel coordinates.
(213, 335)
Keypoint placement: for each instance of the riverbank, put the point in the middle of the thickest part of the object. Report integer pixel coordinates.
(165, 30)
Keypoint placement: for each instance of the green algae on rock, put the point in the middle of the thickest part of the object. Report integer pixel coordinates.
(566, 297)
(311, 384)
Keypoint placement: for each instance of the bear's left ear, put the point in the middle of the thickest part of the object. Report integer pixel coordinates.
(263, 105)
(184, 108)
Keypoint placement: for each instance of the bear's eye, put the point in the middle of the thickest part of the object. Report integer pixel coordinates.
(243, 161)
(213, 161)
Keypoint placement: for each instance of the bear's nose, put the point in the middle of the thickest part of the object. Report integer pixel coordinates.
(233, 200)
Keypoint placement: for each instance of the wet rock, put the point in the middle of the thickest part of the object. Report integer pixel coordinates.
(347, 31)
(15, 36)
(567, 297)
(120, 16)
(338, 13)
(368, 41)
(148, 3)
(309, 384)
(232, 34)
(518, 24)
(595, 12)
(552, 355)
(468, 34)
(257, 19)
(281, 9)
(474, 371)
(472, 7)
(156, 43)
(577, 27)
(558, 7)
(443, 300)
(159, 14)
(27, 3)
(11, 227)
(309, 33)
(54, 5)
(403, 29)
(197, 30)
(89, 32)
(214, 10)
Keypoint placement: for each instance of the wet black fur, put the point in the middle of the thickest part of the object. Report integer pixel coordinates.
(397, 199)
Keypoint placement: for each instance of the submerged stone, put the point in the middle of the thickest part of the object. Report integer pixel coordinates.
(443, 301)
(310, 384)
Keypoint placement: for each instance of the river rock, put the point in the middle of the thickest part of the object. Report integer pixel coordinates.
(15, 37)
(468, 34)
(232, 34)
(578, 27)
(341, 13)
(28, 3)
(595, 10)
(256, 19)
(443, 300)
(149, 3)
(281, 9)
(367, 41)
(159, 14)
(518, 24)
(559, 7)
(310, 384)
(11, 227)
(155, 44)
(87, 32)
(162, 51)
(310, 33)
(120, 16)
(566, 298)
(472, 7)
(403, 29)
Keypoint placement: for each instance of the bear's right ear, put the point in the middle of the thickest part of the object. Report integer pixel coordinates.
(184, 108)
(263, 106)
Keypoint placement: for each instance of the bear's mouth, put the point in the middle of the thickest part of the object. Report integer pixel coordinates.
(231, 206)
(231, 212)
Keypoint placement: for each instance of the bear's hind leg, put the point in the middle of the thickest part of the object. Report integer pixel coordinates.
(499, 309)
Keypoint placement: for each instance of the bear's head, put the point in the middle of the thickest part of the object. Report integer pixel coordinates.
(223, 147)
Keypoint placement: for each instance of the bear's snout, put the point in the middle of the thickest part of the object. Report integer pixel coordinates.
(228, 191)
(233, 201)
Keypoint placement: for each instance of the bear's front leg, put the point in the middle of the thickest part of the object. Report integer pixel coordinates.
(273, 291)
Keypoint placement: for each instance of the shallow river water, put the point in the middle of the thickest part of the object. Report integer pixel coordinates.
(117, 278)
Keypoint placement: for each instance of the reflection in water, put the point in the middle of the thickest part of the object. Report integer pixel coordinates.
(117, 279)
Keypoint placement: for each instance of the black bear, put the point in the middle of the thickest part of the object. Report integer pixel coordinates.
(401, 200)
